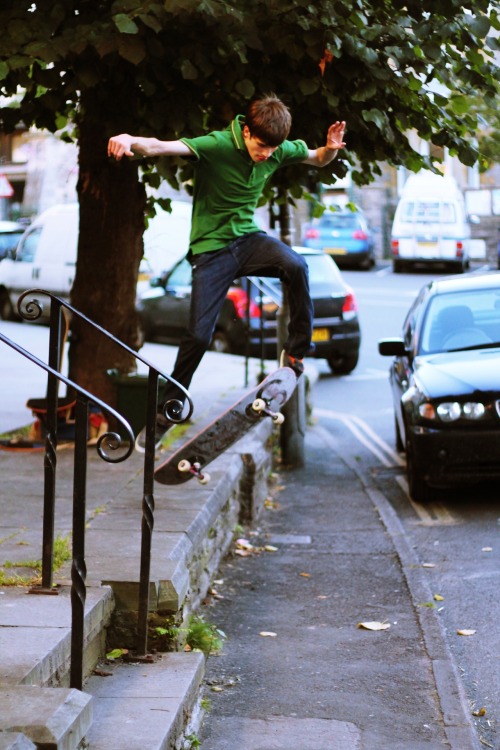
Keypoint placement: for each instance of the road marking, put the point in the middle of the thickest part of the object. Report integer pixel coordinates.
(430, 514)
(364, 433)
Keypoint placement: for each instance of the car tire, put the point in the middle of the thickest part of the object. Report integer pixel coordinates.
(400, 446)
(418, 488)
(343, 365)
(6, 309)
(397, 266)
(220, 343)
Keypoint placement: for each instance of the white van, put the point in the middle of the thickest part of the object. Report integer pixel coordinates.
(431, 225)
(46, 254)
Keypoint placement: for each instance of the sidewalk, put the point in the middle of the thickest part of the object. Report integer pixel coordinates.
(337, 556)
(389, 690)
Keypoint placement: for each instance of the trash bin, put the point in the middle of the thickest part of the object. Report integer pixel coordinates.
(131, 398)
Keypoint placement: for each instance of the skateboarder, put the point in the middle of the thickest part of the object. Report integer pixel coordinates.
(231, 168)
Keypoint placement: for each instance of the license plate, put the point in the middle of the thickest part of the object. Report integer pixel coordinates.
(336, 250)
(427, 249)
(321, 334)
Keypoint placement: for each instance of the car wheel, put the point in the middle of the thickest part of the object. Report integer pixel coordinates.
(220, 343)
(343, 365)
(419, 490)
(400, 447)
(397, 266)
(6, 309)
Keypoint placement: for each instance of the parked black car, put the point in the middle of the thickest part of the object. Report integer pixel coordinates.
(249, 325)
(445, 380)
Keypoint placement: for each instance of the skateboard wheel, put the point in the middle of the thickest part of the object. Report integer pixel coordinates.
(278, 418)
(259, 405)
(204, 479)
(184, 465)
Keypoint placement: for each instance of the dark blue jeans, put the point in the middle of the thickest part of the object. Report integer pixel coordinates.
(255, 254)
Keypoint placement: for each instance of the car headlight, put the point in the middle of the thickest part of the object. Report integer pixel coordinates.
(473, 410)
(450, 411)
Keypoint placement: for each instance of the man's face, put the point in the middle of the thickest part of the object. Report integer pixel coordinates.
(258, 150)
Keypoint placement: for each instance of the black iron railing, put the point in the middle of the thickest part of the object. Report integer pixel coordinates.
(111, 448)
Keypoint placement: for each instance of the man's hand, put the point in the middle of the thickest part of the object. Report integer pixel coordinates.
(335, 136)
(120, 145)
(334, 142)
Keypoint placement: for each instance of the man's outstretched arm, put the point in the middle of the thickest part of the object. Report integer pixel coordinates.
(322, 156)
(131, 145)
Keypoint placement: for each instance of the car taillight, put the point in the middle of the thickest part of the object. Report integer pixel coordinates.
(395, 247)
(359, 235)
(312, 234)
(239, 298)
(460, 249)
(350, 306)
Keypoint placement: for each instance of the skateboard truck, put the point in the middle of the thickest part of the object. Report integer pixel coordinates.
(260, 407)
(195, 469)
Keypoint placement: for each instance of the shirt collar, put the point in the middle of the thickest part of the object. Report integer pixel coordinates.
(236, 131)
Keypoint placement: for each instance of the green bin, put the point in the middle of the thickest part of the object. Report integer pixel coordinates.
(132, 398)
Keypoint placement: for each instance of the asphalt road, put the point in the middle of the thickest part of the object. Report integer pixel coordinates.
(459, 532)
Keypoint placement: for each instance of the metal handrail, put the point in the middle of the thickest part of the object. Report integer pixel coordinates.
(110, 441)
(31, 309)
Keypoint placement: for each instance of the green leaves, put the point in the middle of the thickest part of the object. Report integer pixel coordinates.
(124, 24)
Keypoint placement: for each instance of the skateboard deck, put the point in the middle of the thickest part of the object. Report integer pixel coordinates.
(263, 401)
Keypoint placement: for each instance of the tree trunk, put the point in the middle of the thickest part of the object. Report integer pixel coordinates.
(110, 248)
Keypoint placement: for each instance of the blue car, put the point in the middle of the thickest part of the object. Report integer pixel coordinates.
(345, 236)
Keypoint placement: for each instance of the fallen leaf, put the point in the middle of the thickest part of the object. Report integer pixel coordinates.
(374, 625)
(480, 712)
(428, 565)
(487, 549)
(116, 653)
(466, 632)
(217, 689)
(438, 598)
(305, 575)
(270, 548)
(267, 634)
(243, 544)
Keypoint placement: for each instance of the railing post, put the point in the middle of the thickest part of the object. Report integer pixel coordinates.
(50, 457)
(148, 507)
(78, 566)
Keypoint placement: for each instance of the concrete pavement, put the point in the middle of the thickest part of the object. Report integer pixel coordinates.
(405, 675)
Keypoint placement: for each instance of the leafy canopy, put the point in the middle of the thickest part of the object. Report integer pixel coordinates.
(180, 67)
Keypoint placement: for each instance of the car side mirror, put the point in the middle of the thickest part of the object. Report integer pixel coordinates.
(392, 348)
(156, 282)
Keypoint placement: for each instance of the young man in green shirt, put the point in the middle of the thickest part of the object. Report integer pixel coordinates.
(231, 168)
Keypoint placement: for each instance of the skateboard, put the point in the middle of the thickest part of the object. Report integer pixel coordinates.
(263, 401)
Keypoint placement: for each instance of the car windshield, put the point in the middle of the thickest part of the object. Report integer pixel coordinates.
(461, 320)
(9, 240)
(339, 221)
(428, 212)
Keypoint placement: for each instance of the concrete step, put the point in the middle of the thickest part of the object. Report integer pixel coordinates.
(15, 741)
(35, 635)
(52, 718)
(145, 706)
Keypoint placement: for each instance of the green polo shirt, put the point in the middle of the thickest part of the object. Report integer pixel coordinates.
(228, 184)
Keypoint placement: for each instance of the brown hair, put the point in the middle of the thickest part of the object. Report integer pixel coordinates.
(269, 120)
